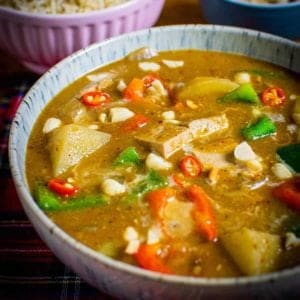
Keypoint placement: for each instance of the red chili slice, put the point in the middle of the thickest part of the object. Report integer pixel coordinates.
(62, 187)
(95, 99)
(289, 193)
(190, 166)
(204, 215)
(273, 96)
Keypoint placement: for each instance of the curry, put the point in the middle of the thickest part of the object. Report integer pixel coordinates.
(180, 162)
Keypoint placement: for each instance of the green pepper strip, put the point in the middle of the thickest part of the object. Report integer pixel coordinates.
(49, 201)
(263, 127)
(152, 182)
(245, 93)
(290, 155)
(295, 229)
(129, 156)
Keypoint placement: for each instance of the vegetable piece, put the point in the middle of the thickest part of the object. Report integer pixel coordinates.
(51, 124)
(290, 155)
(190, 166)
(281, 171)
(263, 127)
(135, 90)
(46, 199)
(149, 66)
(245, 93)
(289, 193)
(49, 201)
(112, 187)
(273, 96)
(134, 123)
(95, 98)
(70, 143)
(148, 258)
(242, 77)
(152, 182)
(203, 86)
(62, 187)
(156, 162)
(158, 199)
(120, 114)
(295, 229)
(243, 152)
(128, 156)
(174, 216)
(255, 252)
(203, 215)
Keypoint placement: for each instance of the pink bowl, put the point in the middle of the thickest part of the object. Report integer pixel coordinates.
(39, 40)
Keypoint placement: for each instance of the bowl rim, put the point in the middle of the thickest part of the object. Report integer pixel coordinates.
(265, 6)
(99, 12)
(25, 196)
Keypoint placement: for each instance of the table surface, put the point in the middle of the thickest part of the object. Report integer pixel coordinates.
(174, 12)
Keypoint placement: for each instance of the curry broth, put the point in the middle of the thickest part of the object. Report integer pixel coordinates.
(236, 202)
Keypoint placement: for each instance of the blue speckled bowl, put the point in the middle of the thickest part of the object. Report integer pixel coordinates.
(114, 277)
(280, 19)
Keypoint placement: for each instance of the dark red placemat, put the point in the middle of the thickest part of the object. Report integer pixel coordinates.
(28, 269)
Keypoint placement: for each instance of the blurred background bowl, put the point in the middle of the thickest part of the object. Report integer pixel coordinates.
(39, 41)
(279, 19)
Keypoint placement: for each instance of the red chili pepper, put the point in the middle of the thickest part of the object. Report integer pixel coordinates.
(158, 199)
(62, 187)
(134, 90)
(273, 96)
(203, 214)
(289, 193)
(134, 123)
(148, 258)
(190, 166)
(95, 98)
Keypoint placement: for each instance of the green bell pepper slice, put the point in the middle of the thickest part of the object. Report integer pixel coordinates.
(245, 93)
(129, 156)
(263, 127)
(290, 155)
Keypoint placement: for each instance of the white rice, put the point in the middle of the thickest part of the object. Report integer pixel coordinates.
(60, 6)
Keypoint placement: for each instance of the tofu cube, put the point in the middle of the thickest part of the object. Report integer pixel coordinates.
(166, 139)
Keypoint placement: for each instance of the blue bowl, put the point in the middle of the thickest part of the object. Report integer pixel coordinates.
(279, 19)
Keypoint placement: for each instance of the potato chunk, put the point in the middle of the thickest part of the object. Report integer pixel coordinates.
(203, 86)
(255, 252)
(70, 143)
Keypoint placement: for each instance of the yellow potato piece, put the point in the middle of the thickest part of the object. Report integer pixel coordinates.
(70, 143)
(204, 86)
(255, 252)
